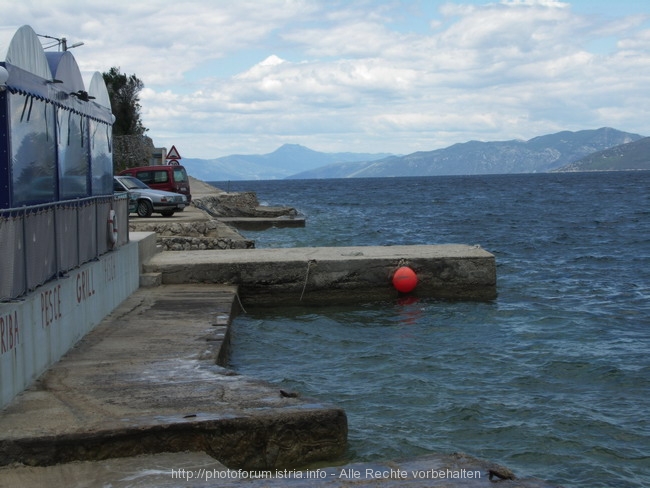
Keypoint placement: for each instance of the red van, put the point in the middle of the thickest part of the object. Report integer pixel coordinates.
(169, 178)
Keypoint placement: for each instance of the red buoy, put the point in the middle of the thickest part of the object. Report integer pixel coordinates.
(405, 280)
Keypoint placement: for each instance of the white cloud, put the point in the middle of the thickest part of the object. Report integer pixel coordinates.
(244, 77)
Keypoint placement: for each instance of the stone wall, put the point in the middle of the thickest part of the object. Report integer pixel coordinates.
(194, 236)
(131, 151)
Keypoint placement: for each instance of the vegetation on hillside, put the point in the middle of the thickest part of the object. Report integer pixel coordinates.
(630, 156)
(130, 145)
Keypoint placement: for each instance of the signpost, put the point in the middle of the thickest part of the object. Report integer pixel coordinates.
(173, 156)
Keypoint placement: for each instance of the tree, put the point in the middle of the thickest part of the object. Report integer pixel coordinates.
(123, 91)
(130, 146)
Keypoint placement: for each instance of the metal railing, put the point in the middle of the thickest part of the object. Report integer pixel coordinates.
(42, 242)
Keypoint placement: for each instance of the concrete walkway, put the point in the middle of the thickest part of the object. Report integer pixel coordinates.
(146, 381)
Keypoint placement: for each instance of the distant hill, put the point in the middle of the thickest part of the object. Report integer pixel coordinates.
(630, 156)
(540, 154)
(563, 151)
(281, 163)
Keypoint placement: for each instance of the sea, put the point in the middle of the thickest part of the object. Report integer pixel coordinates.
(551, 379)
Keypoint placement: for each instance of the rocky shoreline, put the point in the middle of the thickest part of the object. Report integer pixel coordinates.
(206, 223)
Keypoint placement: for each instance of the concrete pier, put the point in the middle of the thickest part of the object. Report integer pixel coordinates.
(322, 275)
(145, 381)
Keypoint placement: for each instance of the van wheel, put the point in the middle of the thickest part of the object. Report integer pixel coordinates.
(145, 209)
(167, 213)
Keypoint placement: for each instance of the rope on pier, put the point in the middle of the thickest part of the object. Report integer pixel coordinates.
(240, 304)
(402, 262)
(309, 263)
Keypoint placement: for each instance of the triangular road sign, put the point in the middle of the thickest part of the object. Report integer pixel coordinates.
(173, 153)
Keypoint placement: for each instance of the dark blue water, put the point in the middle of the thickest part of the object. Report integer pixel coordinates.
(551, 379)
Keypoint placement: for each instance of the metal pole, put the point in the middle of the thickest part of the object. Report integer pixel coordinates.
(25, 257)
(57, 244)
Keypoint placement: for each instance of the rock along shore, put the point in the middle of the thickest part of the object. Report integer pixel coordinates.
(210, 221)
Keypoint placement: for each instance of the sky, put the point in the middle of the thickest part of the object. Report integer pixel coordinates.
(226, 77)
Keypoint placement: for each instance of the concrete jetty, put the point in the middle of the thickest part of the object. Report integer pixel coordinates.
(146, 381)
(321, 275)
(207, 250)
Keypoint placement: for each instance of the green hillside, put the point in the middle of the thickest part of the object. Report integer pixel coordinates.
(630, 156)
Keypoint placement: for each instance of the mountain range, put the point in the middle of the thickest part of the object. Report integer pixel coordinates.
(285, 161)
(587, 150)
